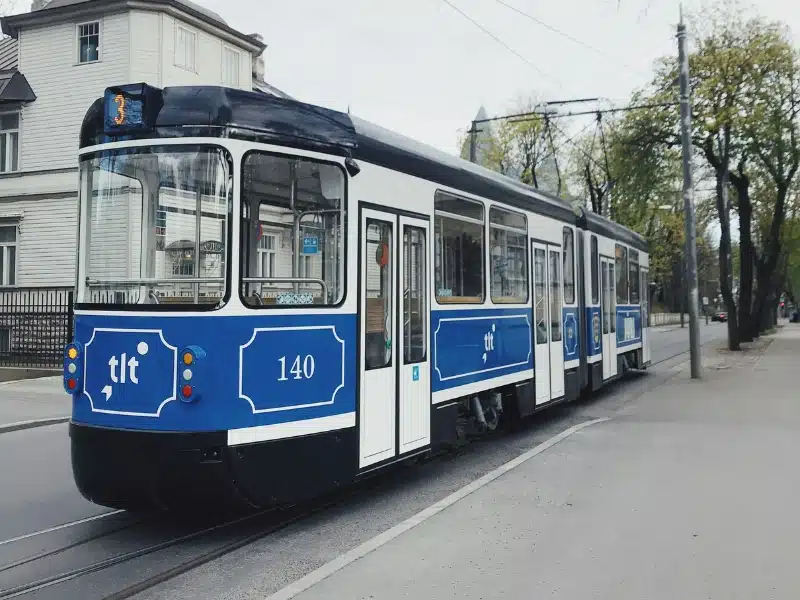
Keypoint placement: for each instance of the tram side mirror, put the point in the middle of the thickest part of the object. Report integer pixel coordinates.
(352, 167)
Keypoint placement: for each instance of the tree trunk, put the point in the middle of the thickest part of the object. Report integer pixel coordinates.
(746, 260)
(724, 273)
(765, 273)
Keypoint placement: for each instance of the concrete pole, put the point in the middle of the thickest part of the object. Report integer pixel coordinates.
(688, 202)
(473, 142)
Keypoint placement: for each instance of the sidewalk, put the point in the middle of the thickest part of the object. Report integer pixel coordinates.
(689, 492)
(33, 402)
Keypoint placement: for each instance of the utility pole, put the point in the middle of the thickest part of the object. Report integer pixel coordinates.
(688, 202)
(473, 142)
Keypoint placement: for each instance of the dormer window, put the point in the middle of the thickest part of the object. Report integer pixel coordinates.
(89, 42)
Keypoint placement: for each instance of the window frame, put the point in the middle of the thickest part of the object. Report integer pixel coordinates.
(84, 216)
(4, 254)
(594, 270)
(231, 51)
(634, 271)
(625, 299)
(7, 133)
(459, 300)
(344, 228)
(195, 43)
(524, 232)
(78, 37)
(568, 231)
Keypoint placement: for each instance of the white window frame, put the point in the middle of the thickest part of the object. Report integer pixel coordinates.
(191, 35)
(8, 167)
(4, 256)
(78, 36)
(228, 51)
(271, 254)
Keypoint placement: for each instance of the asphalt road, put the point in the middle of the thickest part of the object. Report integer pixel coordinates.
(38, 493)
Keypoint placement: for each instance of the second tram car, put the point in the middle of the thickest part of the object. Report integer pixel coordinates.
(275, 299)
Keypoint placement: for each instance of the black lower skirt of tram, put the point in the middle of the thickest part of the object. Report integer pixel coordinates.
(188, 472)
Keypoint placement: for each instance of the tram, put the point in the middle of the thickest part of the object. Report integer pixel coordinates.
(275, 299)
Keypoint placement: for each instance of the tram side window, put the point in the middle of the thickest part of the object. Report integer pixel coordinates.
(459, 230)
(595, 258)
(621, 260)
(509, 234)
(569, 266)
(292, 239)
(634, 276)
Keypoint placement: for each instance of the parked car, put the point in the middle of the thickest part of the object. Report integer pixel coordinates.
(720, 316)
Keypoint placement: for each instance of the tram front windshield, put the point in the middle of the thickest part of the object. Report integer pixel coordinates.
(154, 226)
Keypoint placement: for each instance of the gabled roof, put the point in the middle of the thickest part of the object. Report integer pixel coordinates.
(196, 7)
(14, 88)
(59, 11)
(8, 54)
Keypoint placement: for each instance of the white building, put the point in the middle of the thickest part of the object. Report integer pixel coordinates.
(57, 60)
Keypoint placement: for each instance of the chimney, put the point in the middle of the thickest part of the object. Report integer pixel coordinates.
(39, 4)
(259, 67)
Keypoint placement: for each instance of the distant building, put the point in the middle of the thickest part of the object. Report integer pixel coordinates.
(57, 60)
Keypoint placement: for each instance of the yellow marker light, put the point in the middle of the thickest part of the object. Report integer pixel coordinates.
(187, 358)
(72, 353)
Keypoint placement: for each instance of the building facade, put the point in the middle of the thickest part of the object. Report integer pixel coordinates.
(57, 59)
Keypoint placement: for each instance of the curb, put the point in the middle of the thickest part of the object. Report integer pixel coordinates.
(32, 424)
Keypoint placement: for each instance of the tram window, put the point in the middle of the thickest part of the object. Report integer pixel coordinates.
(622, 274)
(509, 256)
(595, 258)
(156, 226)
(569, 266)
(378, 281)
(459, 230)
(293, 210)
(634, 276)
(415, 294)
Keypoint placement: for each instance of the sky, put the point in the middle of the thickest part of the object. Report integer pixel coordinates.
(421, 68)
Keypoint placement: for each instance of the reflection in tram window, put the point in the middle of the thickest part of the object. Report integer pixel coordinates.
(292, 241)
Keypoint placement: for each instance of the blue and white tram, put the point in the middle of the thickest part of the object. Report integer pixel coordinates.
(275, 299)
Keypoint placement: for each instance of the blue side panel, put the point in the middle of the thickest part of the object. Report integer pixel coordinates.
(250, 371)
(594, 334)
(572, 333)
(475, 345)
(629, 325)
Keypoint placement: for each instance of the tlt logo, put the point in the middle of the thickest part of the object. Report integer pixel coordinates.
(123, 369)
(488, 343)
(131, 364)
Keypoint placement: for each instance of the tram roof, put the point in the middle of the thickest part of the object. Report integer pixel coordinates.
(211, 111)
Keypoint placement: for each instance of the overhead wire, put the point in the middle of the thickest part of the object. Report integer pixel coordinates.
(564, 34)
(503, 43)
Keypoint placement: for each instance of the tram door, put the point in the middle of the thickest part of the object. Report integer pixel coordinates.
(608, 313)
(547, 305)
(394, 398)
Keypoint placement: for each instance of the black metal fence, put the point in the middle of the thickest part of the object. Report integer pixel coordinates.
(35, 325)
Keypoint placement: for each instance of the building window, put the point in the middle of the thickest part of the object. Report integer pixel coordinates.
(185, 43)
(89, 42)
(266, 256)
(509, 256)
(8, 255)
(9, 142)
(459, 244)
(230, 67)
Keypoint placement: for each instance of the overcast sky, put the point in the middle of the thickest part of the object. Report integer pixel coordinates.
(421, 68)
